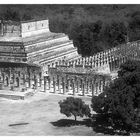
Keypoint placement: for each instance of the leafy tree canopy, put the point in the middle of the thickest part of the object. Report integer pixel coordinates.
(122, 98)
(74, 106)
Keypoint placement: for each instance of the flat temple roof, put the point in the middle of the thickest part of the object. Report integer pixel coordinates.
(23, 21)
(47, 35)
(33, 20)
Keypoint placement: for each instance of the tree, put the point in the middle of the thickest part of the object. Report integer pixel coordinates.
(74, 106)
(114, 33)
(86, 37)
(134, 26)
(129, 67)
(11, 15)
(26, 17)
(121, 100)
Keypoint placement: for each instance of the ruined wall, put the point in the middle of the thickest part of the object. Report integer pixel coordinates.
(34, 28)
(47, 44)
(12, 52)
(11, 29)
(23, 29)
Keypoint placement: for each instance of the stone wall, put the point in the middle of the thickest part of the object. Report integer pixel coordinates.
(12, 52)
(11, 29)
(24, 29)
(46, 44)
(34, 28)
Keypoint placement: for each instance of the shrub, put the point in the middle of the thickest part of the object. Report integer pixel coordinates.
(74, 106)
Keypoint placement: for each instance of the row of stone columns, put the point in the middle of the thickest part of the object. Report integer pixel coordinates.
(103, 56)
(75, 85)
(100, 59)
(83, 62)
(18, 78)
(109, 57)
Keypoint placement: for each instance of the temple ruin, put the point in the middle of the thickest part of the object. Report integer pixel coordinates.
(33, 57)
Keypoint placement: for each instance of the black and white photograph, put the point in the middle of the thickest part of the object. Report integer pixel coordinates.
(69, 69)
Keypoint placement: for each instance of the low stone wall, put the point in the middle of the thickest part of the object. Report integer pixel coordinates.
(13, 97)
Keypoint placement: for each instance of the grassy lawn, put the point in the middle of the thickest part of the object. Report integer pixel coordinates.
(40, 117)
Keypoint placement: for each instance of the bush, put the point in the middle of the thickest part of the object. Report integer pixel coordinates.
(74, 106)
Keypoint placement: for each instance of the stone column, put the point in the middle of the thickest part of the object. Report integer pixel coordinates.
(122, 59)
(52, 65)
(105, 60)
(63, 85)
(9, 78)
(58, 86)
(67, 84)
(69, 63)
(119, 61)
(6, 81)
(80, 81)
(90, 63)
(96, 87)
(87, 85)
(77, 85)
(19, 76)
(35, 82)
(54, 88)
(92, 87)
(110, 63)
(102, 84)
(96, 63)
(93, 63)
(73, 86)
(99, 86)
(45, 84)
(29, 77)
(113, 63)
(3, 77)
(116, 62)
(83, 88)
(83, 63)
(24, 81)
(40, 79)
(73, 64)
(49, 82)
(13, 81)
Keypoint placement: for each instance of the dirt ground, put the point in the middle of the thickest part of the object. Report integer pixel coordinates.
(40, 115)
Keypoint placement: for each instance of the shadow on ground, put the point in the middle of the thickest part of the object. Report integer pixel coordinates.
(98, 123)
(101, 125)
(68, 122)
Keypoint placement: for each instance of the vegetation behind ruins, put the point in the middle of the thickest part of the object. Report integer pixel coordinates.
(92, 28)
